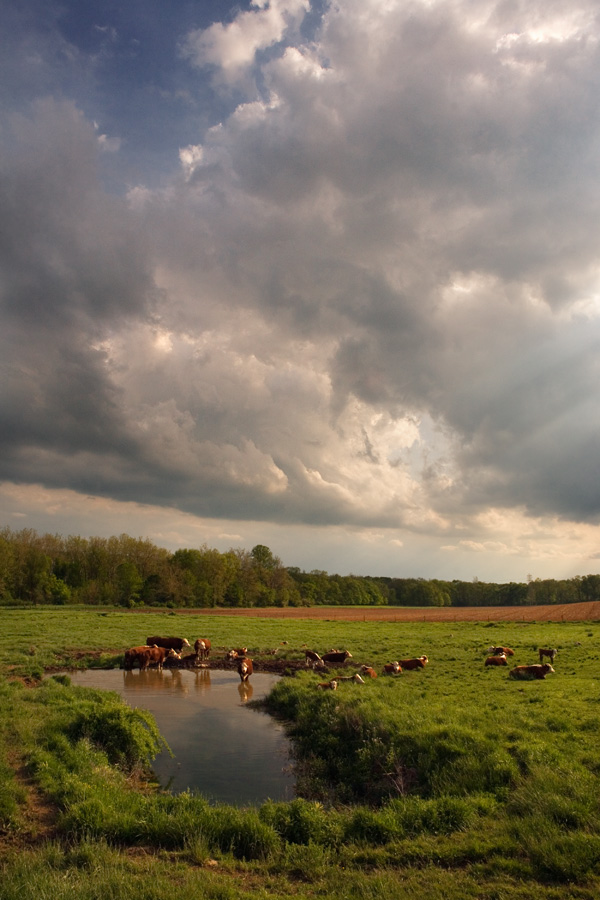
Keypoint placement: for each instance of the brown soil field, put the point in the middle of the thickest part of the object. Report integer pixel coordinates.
(566, 612)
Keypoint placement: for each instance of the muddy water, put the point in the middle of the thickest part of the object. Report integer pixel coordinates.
(222, 748)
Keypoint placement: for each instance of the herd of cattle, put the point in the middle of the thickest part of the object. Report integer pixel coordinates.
(168, 651)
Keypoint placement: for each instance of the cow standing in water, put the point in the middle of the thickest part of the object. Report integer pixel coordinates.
(245, 669)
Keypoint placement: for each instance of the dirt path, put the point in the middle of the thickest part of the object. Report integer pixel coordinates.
(565, 612)
(38, 813)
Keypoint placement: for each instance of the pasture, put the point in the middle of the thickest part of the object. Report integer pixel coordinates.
(452, 781)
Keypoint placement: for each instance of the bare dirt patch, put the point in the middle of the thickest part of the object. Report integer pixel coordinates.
(564, 612)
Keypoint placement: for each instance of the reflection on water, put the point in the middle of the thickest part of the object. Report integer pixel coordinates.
(224, 750)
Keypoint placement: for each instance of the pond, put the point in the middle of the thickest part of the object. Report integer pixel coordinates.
(222, 749)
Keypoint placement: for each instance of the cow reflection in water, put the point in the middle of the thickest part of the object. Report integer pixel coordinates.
(200, 681)
(245, 690)
(172, 681)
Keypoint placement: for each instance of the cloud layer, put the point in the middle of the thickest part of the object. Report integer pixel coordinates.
(366, 296)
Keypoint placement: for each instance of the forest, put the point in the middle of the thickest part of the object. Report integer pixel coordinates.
(129, 572)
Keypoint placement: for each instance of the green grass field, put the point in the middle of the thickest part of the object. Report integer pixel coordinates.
(453, 781)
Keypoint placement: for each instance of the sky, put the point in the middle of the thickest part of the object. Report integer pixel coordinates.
(318, 275)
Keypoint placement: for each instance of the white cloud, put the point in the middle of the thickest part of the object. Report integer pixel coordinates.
(233, 47)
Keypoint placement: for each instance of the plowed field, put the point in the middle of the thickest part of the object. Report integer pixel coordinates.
(567, 612)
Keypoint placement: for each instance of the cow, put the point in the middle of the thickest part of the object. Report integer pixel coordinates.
(202, 648)
(496, 651)
(245, 669)
(499, 660)
(369, 671)
(236, 653)
(337, 657)
(410, 664)
(328, 685)
(131, 656)
(170, 643)
(143, 657)
(543, 651)
(392, 668)
(311, 658)
(356, 678)
(535, 671)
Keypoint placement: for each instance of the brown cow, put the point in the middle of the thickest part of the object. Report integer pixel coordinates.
(131, 656)
(245, 669)
(369, 671)
(535, 671)
(328, 685)
(144, 657)
(311, 657)
(499, 660)
(171, 643)
(338, 657)
(392, 668)
(496, 651)
(418, 662)
(543, 651)
(202, 648)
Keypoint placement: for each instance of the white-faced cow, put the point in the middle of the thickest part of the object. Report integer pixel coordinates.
(369, 671)
(144, 657)
(496, 651)
(419, 662)
(499, 660)
(530, 672)
(337, 657)
(393, 668)
(328, 685)
(245, 669)
(202, 648)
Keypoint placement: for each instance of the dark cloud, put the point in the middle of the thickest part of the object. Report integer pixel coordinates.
(367, 295)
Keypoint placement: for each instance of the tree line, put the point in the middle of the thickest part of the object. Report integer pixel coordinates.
(129, 572)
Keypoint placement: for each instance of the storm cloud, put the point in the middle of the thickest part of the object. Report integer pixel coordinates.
(364, 296)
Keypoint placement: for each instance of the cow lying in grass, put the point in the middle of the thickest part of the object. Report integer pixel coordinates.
(369, 671)
(392, 668)
(419, 662)
(336, 657)
(530, 672)
(499, 660)
(496, 651)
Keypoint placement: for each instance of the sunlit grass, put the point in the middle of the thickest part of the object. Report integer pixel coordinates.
(453, 781)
